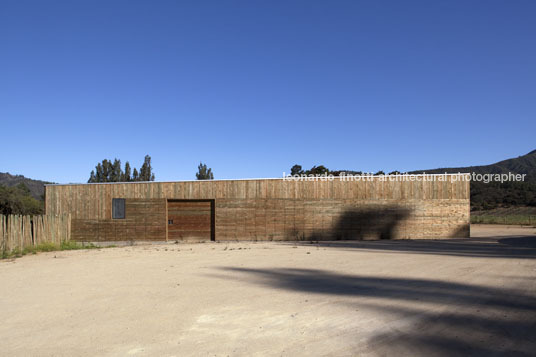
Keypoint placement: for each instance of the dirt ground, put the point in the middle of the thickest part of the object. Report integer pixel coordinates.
(472, 296)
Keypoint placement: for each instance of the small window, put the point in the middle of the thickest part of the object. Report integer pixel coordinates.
(170, 221)
(118, 208)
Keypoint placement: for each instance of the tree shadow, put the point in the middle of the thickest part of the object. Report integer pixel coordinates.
(525, 242)
(360, 223)
(480, 320)
(493, 247)
(458, 333)
(366, 222)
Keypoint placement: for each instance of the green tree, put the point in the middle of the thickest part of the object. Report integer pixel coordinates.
(203, 172)
(108, 171)
(296, 170)
(116, 173)
(99, 177)
(318, 170)
(127, 173)
(146, 170)
(18, 200)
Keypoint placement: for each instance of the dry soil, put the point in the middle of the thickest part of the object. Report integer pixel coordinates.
(472, 296)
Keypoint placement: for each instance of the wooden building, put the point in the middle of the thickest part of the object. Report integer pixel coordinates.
(265, 209)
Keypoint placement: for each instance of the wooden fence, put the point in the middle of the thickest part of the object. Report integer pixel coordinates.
(18, 232)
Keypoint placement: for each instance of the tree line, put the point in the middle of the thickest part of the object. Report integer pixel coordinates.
(111, 171)
(18, 200)
(322, 170)
(484, 196)
(108, 171)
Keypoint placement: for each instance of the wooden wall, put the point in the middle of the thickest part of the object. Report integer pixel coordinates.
(189, 220)
(145, 219)
(274, 209)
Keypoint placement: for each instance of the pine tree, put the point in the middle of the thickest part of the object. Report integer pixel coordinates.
(99, 176)
(92, 177)
(116, 174)
(146, 170)
(204, 173)
(126, 174)
(108, 171)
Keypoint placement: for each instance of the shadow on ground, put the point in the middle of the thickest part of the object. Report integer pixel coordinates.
(512, 247)
(467, 319)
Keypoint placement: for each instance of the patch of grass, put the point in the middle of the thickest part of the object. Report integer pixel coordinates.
(50, 247)
(504, 219)
(71, 245)
(43, 247)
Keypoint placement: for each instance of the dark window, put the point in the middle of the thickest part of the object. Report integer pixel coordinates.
(118, 208)
(170, 221)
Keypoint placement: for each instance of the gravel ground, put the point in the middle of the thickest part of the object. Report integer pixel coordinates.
(472, 296)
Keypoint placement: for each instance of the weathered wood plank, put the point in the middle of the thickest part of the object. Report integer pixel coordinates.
(261, 209)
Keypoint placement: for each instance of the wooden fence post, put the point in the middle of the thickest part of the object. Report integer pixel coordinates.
(2, 234)
(69, 218)
(27, 230)
(10, 228)
(21, 231)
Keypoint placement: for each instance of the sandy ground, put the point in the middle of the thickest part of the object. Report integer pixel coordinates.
(454, 297)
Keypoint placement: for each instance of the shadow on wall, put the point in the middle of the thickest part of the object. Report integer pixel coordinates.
(369, 222)
(463, 231)
(480, 320)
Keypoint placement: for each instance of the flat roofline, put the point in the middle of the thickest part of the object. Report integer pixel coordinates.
(246, 179)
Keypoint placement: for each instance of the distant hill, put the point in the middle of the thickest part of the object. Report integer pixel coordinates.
(36, 187)
(496, 195)
(484, 196)
(525, 164)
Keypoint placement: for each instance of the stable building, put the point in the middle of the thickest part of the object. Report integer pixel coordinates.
(373, 207)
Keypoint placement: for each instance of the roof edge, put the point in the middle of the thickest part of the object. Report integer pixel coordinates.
(290, 179)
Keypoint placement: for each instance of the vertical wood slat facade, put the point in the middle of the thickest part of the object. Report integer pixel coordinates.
(273, 209)
(18, 232)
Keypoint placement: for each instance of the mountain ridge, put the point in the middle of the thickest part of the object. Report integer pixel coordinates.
(36, 187)
(525, 164)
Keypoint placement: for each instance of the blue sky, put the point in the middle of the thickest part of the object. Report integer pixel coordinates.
(253, 87)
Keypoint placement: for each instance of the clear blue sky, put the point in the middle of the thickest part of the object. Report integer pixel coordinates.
(253, 87)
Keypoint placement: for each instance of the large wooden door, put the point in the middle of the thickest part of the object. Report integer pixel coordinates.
(190, 220)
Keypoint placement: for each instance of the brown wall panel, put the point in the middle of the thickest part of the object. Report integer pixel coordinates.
(273, 209)
(144, 221)
(189, 220)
